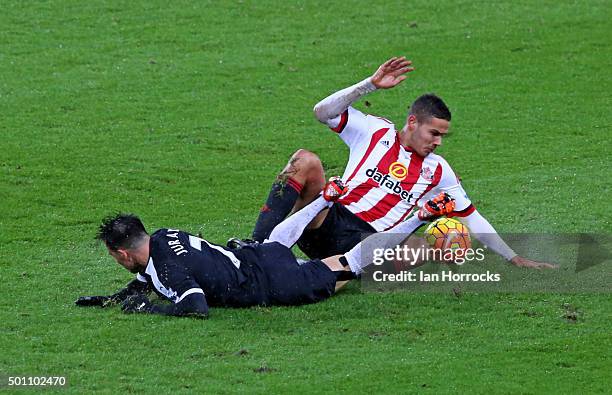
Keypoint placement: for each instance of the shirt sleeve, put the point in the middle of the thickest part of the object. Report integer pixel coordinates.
(192, 305)
(449, 183)
(465, 210)
(172, 280)
(338, 102)
(484, 232)
(170, 277)
(355, 127)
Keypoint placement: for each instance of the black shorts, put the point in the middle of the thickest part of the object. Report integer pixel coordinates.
(340, 231)
(288, 283)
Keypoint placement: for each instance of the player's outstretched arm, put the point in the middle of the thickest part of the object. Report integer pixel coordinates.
(388, 75)
(193, 305)
(487, 235)
(524, 262)
(134, 287)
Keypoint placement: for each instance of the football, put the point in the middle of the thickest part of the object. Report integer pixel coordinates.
(448, 234)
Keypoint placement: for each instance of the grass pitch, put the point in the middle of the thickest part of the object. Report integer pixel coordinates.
(183, 112)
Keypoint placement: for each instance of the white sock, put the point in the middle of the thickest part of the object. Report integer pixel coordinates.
(289, 231)
(362, 254)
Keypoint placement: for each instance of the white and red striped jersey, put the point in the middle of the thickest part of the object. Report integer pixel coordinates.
(386, 180)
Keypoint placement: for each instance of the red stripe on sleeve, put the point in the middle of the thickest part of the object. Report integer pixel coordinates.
(342, 124)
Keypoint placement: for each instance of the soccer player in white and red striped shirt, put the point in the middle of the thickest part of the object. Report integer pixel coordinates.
(389, 173)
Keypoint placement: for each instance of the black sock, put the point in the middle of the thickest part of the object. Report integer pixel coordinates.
(343, 275)
(281, 200)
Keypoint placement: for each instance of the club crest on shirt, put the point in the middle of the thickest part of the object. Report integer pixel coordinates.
(426, 173)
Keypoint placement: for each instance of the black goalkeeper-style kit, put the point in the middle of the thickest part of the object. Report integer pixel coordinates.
(195, 274)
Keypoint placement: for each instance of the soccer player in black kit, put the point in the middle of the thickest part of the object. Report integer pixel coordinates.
(194, 273)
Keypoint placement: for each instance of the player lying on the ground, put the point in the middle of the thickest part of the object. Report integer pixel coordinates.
(193, 273)
(388, 173)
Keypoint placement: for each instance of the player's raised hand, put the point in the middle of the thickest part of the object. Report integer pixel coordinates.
(392, 72)
(528, 263)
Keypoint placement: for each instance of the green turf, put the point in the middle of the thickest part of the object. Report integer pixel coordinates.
(183, 112)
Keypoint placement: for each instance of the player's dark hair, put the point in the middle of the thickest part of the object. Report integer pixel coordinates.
(121, 231)
(428, 106)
